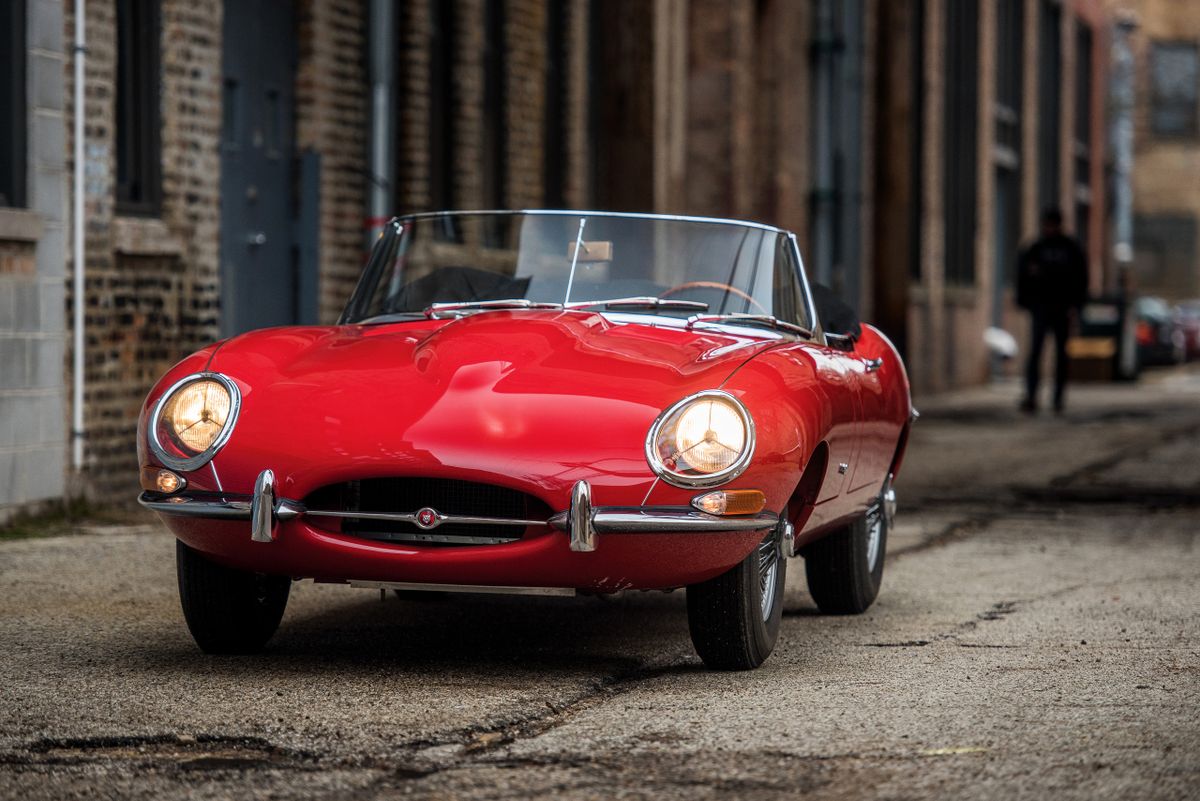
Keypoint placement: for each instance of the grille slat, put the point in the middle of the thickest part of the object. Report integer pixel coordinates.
(407, 495)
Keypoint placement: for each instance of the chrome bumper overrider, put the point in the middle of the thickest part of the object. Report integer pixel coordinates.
(582, 521)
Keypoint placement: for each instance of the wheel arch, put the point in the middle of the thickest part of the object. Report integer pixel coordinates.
(808, 489)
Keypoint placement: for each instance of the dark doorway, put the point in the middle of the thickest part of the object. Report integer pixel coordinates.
(259, 281)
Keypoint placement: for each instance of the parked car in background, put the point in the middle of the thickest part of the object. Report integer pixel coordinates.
(1160, 339)
(1187, 317)
(546, 403)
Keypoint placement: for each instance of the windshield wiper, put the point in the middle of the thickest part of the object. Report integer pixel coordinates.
(389, 317)
(438, 310)
(768, 320)
(641, 302)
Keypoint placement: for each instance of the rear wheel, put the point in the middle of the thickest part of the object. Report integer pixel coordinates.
(845, 569)
(228, 611)
(734, 618)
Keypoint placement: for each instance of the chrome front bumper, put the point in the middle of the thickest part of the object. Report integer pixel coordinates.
(581, 521)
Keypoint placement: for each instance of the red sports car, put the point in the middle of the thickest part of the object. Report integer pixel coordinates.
(541, 402)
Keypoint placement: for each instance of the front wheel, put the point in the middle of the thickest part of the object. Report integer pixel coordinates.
(228, 611)
(734, 618)
(845, 569)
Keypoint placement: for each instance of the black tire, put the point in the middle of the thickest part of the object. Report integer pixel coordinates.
(726, 616)
(841, 578)
(228, 611)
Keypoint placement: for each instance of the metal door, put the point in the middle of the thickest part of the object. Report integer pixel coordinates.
(259, 283)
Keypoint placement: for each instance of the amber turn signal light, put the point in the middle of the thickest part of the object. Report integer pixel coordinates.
(731, 502)
(159, 479)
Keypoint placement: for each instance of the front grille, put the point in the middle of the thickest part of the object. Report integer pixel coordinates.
(408, 495)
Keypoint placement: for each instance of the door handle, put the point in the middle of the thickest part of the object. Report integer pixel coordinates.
(873, 364)
(257, 238)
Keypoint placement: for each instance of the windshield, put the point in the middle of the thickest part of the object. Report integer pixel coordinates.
(436, 264)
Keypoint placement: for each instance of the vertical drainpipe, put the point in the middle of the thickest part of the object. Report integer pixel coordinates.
(77, 223)
(380, 172)
(1121, 91)
(849, 123)
(1120, 102)
(822, 206)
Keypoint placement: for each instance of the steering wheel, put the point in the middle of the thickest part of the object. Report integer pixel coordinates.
(732, 290)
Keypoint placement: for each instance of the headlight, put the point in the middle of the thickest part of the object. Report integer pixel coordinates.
(192, 420)
(704, 440)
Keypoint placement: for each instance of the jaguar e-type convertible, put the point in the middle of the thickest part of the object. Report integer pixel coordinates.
(541, 402)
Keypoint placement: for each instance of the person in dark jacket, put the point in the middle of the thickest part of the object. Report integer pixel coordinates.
(1052, 281)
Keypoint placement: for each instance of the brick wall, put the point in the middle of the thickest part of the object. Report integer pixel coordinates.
(152, 284)
(1166, 173)
(331, 118)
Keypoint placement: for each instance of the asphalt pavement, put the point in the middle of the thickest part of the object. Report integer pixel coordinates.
(1037, 635)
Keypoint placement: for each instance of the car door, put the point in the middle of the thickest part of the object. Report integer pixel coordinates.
(836, 375)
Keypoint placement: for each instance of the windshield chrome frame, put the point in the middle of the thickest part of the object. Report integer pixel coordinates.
(399, 222)
(631, 215)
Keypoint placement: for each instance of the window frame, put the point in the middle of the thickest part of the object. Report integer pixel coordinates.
(14, 105)
(137, 108)
(1156, 100)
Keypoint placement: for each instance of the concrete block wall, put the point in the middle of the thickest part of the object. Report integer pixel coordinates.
(33, 418)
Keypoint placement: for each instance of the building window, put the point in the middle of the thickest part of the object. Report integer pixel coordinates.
(554, 156)
(443, 100)
(960, 173)
(495, 127)
(1007, 150)
(12, 104)
(1049, 102)
(139, 156)
(1174, 81)
(1083, 129)
(594, 82)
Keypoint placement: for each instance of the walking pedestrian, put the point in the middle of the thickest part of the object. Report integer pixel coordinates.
(1052, 280)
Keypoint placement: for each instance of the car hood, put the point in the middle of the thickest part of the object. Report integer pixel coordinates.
(545, 397)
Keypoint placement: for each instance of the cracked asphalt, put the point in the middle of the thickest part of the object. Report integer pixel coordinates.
(1037, 635)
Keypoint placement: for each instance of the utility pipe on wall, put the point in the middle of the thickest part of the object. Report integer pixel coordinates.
(823, 206)
(380, 172)
(77, 222)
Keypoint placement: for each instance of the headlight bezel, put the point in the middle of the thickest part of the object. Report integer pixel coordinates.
(188, 463)
(701, 480)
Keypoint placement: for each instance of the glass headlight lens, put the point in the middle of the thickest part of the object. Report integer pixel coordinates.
(701, 441)
(193, 420)
(196, 415)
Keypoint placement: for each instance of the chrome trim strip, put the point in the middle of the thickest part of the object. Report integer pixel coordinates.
(809, 302)
(419, 537)
(470, 588)
(712, 479)
(665, 520)
(213, 505)
(403, 218)
(204, 457)
(407, 517)
(217, 507)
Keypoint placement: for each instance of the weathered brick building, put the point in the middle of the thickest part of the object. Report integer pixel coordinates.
(1166, 173)
(910, 143)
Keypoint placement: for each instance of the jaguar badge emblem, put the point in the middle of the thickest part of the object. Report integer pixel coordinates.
(428, 518)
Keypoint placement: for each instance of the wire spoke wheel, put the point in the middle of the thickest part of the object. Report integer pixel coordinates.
(875, 524)
(768, 574)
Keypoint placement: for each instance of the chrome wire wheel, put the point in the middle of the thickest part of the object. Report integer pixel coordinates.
(768, 574)
(874, 536)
